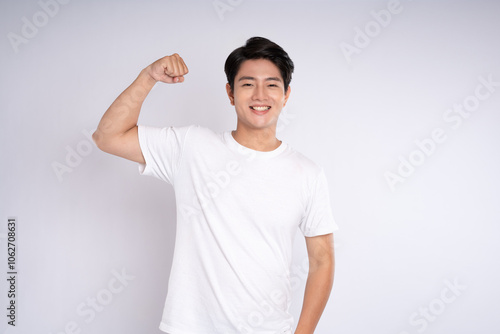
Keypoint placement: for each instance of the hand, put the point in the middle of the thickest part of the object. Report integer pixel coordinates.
(169, 69)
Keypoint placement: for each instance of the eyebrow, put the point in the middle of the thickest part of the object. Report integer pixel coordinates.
(252, 78)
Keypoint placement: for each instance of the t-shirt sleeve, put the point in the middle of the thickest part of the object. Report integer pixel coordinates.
(318, 217)
(162, 149)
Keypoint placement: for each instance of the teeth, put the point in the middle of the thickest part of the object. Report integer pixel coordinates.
(260, 108)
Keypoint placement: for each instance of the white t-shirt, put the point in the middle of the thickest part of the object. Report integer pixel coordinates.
(237, 214)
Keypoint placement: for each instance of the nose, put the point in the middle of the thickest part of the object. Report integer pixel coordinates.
(259, 92)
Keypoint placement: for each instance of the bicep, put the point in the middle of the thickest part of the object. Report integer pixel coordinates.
(320, 250)
(125, 146)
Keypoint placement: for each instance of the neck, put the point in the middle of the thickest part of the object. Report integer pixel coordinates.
(257, 139)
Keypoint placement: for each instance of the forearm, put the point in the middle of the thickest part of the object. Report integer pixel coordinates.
(123, 113)
(318, 287)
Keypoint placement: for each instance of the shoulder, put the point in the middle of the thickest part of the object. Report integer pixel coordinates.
(178, 135)
(198, 133)
(304, 164)
(201, 130)
(191, 130)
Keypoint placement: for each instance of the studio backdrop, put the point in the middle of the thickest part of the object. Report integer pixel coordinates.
(398, 100)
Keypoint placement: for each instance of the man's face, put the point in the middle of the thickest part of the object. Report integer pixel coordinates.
(258, 94)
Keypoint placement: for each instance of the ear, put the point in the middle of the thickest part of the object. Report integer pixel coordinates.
(230, 94)
(287, 95)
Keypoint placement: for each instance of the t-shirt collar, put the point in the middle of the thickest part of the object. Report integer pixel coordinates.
(243, 150)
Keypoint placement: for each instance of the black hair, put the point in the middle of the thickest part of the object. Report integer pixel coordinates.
(259, 48)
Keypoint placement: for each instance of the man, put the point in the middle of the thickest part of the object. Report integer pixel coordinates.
(241, 196)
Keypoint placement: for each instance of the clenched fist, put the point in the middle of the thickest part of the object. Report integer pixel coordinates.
(169, 69)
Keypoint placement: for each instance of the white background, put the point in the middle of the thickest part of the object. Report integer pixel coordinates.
(80, 218)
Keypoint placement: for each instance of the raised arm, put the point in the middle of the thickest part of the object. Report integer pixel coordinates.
(117, 131)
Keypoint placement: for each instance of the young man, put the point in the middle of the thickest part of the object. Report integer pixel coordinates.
(241, 196)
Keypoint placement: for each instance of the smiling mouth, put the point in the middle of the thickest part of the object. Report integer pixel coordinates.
(265, 108)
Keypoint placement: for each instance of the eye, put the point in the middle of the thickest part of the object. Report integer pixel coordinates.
(246, 85)
(273, 85)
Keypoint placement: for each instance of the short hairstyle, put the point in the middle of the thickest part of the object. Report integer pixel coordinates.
(259, 48)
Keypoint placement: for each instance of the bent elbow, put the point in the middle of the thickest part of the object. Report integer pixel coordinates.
(99, 140)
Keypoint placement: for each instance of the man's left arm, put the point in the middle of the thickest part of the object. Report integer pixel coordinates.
(319, 281)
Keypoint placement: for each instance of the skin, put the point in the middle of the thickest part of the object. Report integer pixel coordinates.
(117, 131)
(319, 282)
(257, 83)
